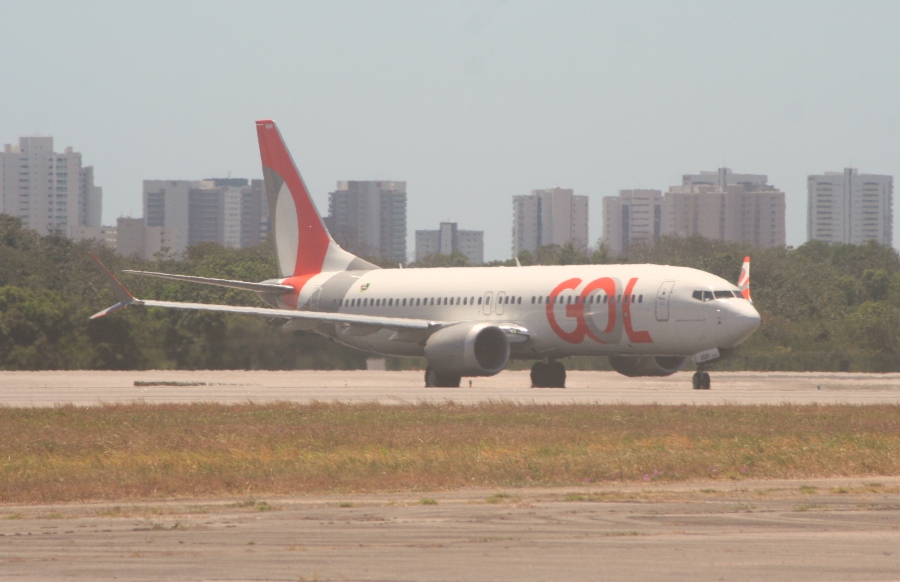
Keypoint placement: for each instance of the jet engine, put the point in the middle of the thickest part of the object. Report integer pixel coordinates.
(647, 365)
(468, 349)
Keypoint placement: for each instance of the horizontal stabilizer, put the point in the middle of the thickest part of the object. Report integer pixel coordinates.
(245, 285)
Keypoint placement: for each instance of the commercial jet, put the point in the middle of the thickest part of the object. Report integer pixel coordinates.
(471, 321)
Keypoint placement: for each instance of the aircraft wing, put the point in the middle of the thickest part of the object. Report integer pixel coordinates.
(362, 323)
(246, 286)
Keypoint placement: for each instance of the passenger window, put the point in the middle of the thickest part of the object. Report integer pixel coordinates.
(541, 300)
(519, 300)
(390, 302)
(465, 300)
(471, 301)
(632, 298)
(532, 299)
(640, 298)
(604, 299)
(479, 301)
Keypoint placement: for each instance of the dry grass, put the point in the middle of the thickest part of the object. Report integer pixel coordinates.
(143, 451)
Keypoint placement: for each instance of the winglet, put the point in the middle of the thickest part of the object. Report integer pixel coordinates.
(744, 280)
(122, 294)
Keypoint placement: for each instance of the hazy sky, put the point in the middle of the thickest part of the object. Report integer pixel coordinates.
(469, 102)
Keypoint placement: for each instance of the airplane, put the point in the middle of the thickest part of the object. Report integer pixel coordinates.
(472, 321)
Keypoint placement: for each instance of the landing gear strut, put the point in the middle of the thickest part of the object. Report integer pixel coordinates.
(701, 380)
(548, 375)
(435, 379)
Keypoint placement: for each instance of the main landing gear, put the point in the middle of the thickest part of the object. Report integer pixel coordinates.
(550, 374)
(701, 380)
(435, 379)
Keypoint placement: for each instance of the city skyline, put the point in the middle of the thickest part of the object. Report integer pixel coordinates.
(469, 102)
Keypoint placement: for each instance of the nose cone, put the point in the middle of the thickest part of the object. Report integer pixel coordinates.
(743, 319)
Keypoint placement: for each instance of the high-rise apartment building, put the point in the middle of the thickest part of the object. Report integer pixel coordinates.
(849, 207)
(717, 205)
(632, 215)
(167, 205)
(723, 205)
(447, 239)
(545, 217)
(229, 211)
(47, 190)
(368, 218)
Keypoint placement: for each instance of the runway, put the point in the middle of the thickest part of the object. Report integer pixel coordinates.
(87, 388)
(836, 529)
(807, 529)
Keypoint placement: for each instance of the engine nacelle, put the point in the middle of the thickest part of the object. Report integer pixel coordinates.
(634, 366)
(468, 349)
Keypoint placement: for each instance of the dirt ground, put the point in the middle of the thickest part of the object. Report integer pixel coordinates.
(836, 529)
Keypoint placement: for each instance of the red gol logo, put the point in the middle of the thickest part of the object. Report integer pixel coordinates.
(585, 326)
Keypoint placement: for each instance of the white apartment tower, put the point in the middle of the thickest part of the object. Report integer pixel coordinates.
(47, 190)
(369, 218)
(632, 215)
(849, 207)
(447, 239)
(167, 206)
(545, 217)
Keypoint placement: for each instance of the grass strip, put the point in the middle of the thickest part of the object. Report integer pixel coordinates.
(141, 451)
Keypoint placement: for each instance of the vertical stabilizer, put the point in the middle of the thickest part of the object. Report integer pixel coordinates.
(302, 242)
(744, 280)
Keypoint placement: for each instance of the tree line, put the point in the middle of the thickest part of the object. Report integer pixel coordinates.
(824, 307)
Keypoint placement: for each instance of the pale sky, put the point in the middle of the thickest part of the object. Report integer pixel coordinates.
(469, 102)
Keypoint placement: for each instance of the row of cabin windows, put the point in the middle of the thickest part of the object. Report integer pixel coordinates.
(590, 299)
(506, 300)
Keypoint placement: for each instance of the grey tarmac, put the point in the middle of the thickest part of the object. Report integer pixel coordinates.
(809, 529)
(835, 529)
(86, 388)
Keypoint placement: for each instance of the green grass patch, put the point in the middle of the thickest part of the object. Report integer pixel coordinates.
(144, 451)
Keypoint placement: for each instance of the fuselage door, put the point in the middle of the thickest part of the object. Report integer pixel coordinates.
(498, 309)
(314, 300)
(662, 300)
(486, 305)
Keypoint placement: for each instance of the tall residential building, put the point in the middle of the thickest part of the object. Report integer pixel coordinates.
(447, 239)
(228, 211)
(726, 206)
(167, 205)
(369, 218)
(545, 217)
(849, 207)
(47, 190)
(724, 177)
(632, 215)
(717, 205)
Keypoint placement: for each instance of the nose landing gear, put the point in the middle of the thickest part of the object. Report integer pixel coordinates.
(550, 374)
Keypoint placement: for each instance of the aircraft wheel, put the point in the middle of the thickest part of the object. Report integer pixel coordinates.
(557, 373)
(705, 381)
(431, 377)
(539, 373)
(695, 380)
(435, 379)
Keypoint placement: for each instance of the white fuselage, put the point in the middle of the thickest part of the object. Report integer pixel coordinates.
(563, 310)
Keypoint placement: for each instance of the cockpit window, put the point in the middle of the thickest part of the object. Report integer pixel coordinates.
(702, 295)
(723, 294)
